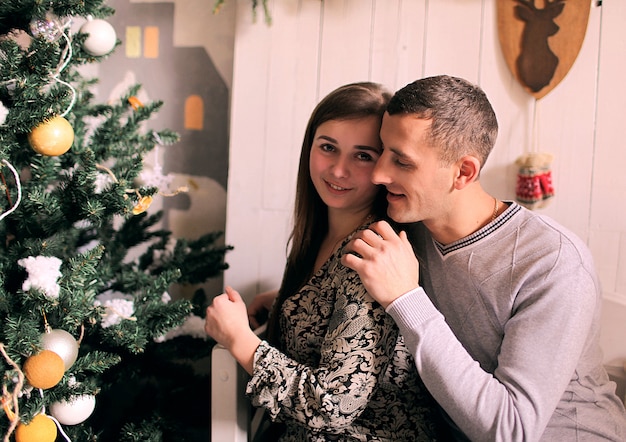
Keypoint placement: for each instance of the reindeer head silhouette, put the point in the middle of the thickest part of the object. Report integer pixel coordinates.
(537, 63)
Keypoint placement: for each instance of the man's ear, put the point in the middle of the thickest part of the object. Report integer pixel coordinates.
(469, 168)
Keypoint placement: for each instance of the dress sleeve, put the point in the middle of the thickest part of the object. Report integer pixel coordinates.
(356, 349)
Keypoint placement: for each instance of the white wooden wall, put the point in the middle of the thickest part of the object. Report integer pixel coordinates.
(313, 46)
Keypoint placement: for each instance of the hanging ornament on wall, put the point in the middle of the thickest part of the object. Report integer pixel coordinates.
(62, 343)
(534, 179)
(44, 370)
(74, 411)
(52, 137)
(101, 39)
(540, 44)
(48, 27)
(40, 429)
(534, 188)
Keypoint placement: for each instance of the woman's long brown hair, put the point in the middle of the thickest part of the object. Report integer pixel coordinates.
(310, 224)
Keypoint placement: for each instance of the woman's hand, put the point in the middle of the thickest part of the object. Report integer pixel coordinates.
(260, 307)
(227, 322)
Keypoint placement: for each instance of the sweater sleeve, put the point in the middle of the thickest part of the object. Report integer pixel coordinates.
(542, 343)
(328, 397)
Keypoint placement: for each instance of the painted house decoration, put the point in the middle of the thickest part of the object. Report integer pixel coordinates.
(196, 105)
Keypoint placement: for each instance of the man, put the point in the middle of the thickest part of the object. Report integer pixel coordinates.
(503, 320)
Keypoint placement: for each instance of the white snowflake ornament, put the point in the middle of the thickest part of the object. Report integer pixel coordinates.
(117, 306)
(43, 273)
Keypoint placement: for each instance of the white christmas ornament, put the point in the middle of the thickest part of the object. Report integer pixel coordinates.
(101, 39)
(3, 113)
(74, 411)
(63, 344)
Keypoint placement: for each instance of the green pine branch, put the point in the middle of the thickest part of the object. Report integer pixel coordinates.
(78, 207)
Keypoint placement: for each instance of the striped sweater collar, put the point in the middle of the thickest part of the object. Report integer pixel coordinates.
(479, 234)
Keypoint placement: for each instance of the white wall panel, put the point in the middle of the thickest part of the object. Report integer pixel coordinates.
(398, 42)
(453, 38)
(292, 93)
(248, 129)
(346, 43)
(608, 214)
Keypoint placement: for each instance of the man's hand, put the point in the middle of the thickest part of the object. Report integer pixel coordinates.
(384, 260)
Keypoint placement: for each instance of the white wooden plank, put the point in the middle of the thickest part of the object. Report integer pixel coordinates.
(410, 47)
(606, 244)
(273, 240)
(248, 104)
(620, 279)
(345, 43)
(609, 187)
(607, 214)
(453, 39)
(291, 96)
(229, 414)
(613, 332)
(397, 42)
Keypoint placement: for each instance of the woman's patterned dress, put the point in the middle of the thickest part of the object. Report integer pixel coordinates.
(346, 374)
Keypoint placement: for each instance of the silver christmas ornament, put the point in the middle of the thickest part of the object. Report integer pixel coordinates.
(63, 344)
(48, 27)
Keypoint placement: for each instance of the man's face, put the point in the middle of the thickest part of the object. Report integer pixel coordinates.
(418, 184)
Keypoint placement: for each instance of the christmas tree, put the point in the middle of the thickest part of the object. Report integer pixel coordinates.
(85, 268)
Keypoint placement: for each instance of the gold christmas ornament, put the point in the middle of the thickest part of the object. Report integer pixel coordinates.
(52, 137)
(40, 429)
(134, 102)
(44, 370)
(142, 205)
(63, 344)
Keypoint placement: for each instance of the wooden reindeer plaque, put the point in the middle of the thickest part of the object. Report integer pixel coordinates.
(541, 39)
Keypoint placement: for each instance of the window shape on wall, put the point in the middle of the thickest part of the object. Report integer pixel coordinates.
(133, 41)
(151, 42)
(136, 46)
(194, 112)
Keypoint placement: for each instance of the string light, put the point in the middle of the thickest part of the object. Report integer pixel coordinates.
(66, 56)
(19, 190)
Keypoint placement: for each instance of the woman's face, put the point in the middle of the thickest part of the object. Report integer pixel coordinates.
(343, 156)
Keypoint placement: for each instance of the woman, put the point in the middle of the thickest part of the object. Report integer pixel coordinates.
(337, 369)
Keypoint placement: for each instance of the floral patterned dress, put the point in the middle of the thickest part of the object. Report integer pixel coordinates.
(345, 374)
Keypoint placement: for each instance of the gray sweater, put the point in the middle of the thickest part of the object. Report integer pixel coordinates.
(505, 330)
